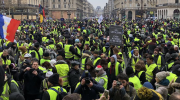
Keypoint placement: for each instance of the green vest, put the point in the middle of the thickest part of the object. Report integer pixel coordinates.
(36, 54)
(104, 49)
(44, 60)
(87, 42)
(170, 65)
(116, 67)
(158, 62)
(133, 63)
(61, 44)
(41, 52)
(105, 78)
(136, 82)
(83, 62)
(149, 72)
(95, 61)
(45, 84)
(68, 54)
(53, 94)
(51, 46)
(63, 70)
(78, 52)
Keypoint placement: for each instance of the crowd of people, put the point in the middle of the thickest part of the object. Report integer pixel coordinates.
(74, 60)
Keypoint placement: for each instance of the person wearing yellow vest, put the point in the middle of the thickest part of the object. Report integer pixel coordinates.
(70, 51)
(51, 45)
(85, 58)
(110, 51)
(134, 59)
(34, 51)
(96, 58)
(5, 57)
(74, 75)
(133, 79)
(62, 68)
(171, 61)
(78, 51)
(114, 69)
(140, 70)
(151, 70)
(32, 81)
(105, 48)
(101, 76)
(45, 58)
(45, 81)
(124, 86)
(158, 59)
(54, 90)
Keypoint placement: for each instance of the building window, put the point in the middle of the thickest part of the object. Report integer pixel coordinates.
(64, 6)
(53, 0)
(59, 0)
(64, 0)
(59, 6)
(53, 6)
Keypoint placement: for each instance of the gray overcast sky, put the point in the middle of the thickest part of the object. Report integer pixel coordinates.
(96, 3)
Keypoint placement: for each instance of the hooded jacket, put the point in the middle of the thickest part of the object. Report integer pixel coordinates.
(89, 93)
(92, 70)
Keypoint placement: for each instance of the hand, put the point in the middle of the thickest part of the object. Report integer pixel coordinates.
(27, 69)
(83, 81)
(90, 84)
(35, 72)
(121, 86)
(103, 97)
(114, 84)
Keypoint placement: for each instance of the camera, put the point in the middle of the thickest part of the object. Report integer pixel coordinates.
(118, 84)
(87, 79)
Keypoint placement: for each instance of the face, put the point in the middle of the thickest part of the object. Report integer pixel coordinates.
(157, 80)
(76, 67)
(35, 65)
(112, 60)
(88, 67)
(136, 53)
(148, 61)
(176, 48)
(124, 82)
(5, 53)
(155, 52)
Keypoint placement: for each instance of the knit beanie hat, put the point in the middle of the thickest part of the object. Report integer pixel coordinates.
(162, 75)
(54, 79)
(46, 54)
(144, 93)
(48, 74)
(129, 71)
(100, 69)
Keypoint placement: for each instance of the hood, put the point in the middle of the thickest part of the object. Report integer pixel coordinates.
(148, 85)
(84, 76)
(61, 62)
(115, 58)
(104, 74)
(175, 85)
(70, 41)
(89, 62)
(84, 55)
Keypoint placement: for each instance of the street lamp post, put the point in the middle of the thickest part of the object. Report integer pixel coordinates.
(141, 11)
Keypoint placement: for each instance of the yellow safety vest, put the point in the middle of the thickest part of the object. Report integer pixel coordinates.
(63, 70)
(7, 62)
(149, 72)
(96, 60)
(170, 65)
(42, 69)
(36, 54)
(104, 49)
(61, 44)
(68, 54)
(6, 91)
(41, 52)
(78, 52)
(133, 63)
(45, 84)
(158, 62)
(140, 73)
(105, 78)
(116, 67)
(44, 60)
(83, 62)
(53, 94)
(171, 77)
(136, 82)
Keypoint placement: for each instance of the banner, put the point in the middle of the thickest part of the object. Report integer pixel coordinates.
(116, 35)
(100, 19)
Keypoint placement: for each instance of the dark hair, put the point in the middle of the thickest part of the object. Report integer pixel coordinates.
(35, 61)
(150, 57)
(175, 96)
(47, 65)
(123, 77)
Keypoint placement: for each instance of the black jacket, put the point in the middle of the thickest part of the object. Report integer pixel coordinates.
(32, 83)
(74, 76)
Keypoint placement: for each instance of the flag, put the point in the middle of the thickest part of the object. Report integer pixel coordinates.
(8, 27)
(41, 13)
(100, 19)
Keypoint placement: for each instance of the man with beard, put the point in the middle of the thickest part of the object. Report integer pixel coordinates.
(158, 59)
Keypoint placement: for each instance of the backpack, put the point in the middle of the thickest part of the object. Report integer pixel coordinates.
(60, 95)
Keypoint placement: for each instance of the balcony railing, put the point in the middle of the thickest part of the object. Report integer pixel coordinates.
(168, 4)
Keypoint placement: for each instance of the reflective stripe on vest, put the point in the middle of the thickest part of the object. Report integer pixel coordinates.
(116, 67)
(63, 70)
(105, 78)
(83, 62)
(68, 54)
(149, 72)
(133, 63)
